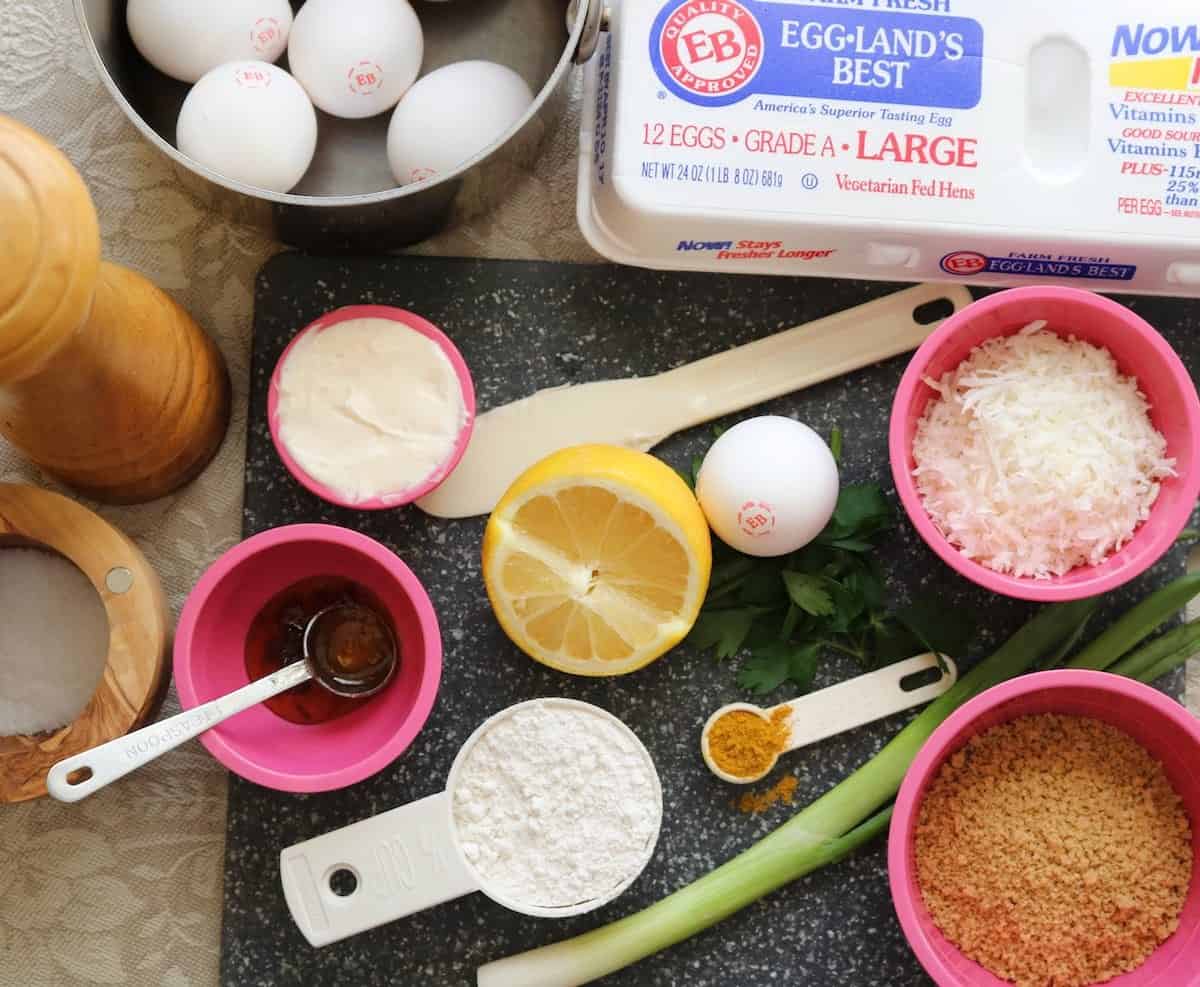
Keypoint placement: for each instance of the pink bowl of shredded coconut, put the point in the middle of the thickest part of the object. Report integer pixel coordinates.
(1009, 395)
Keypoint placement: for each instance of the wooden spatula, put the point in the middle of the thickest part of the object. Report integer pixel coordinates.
(639, 412)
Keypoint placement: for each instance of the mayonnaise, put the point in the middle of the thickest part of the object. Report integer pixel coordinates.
(369, 408)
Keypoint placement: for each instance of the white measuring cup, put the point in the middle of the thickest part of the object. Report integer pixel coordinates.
(853, 703)
(409, 858)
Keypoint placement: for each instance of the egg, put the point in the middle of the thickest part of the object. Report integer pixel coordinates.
(185, 39)
(357, 58)
(768, 486)
(451, 115)
(251, 122)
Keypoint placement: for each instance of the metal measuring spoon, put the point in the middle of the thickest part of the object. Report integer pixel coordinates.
(348, 649)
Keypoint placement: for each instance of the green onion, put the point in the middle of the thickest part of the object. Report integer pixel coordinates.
(1168, 664)
(1069, 645)
(823, 832)
(1138, 624)
(701, 904)
(1185, 638)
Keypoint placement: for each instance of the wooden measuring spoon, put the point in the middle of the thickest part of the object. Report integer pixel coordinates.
(639, 412)
(853, 703)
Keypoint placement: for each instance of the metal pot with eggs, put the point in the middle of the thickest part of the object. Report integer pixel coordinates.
(349, 197)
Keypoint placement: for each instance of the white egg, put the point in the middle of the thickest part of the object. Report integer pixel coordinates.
(768, 486)
(252, 122)
(451, 115)
(185, 39)
(356, 58)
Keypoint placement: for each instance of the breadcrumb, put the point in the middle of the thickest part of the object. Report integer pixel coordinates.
(1053, 851)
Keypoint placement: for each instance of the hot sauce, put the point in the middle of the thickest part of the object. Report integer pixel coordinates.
(276, 638)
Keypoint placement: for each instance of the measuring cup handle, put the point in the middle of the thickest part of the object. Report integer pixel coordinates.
(399, 862)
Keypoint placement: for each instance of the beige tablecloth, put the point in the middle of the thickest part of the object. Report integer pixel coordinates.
(125, 888)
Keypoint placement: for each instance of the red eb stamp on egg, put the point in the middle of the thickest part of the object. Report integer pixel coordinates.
(711, 47)
(365, 77)
(252, 78)
(264, 33)
(756, 518)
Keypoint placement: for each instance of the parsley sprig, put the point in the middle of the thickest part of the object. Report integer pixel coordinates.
(828, 597)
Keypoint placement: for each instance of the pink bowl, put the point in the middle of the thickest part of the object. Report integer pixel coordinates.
(1138, 350)
(410, 321)
(1155, 721)
(210, 648)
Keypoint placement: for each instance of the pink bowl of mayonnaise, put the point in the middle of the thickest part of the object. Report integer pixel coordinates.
(1151, 369)
(371, 407)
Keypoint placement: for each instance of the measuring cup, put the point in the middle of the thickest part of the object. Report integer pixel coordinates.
(853, 703)
(409, 858)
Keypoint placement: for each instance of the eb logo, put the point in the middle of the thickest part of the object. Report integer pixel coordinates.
(365, 77)
(264, 34)
(756, 518)
(709, 47)
(249, 78)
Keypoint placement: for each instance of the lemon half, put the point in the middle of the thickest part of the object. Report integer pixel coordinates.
(597, 560)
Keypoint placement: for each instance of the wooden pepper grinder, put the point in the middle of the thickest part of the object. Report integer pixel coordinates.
(105, 382)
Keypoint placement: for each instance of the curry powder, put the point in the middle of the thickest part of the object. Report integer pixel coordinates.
(745, 745)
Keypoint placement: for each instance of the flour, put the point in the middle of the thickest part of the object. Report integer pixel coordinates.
(556, 805)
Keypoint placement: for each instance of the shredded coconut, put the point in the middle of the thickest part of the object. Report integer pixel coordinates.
(1039, 456)
(555, 805)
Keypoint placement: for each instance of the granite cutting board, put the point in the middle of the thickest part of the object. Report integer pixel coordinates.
(522, 326)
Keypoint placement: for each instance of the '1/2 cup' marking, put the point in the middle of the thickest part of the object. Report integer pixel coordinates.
(398, 862)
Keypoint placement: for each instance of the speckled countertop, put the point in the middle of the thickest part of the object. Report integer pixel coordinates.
(522, 326)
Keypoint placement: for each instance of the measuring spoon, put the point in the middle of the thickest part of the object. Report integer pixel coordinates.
(348, 649)
(853, 703)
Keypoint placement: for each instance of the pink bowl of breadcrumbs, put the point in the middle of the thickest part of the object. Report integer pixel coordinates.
(1109, 711)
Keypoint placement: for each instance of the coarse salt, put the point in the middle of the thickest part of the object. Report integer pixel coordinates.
(1038, 455)
(53, 641)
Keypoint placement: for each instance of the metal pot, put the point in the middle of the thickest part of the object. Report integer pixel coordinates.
(348, 200)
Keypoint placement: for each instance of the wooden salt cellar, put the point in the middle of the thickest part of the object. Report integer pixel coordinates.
(105, 382)
(135, 671)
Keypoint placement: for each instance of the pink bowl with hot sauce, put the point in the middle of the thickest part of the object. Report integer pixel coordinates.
(210, 646)
(1163, 727)
(1140, 352)
(404, 320)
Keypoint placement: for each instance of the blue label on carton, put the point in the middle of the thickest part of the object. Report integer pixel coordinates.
(965, 263)
(718, 52)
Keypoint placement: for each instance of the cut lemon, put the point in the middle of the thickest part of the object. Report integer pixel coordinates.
(597, 560)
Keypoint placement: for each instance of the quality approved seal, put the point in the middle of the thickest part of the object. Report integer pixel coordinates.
(710, 48)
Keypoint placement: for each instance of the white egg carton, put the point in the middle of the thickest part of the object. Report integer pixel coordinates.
(1001, 144)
